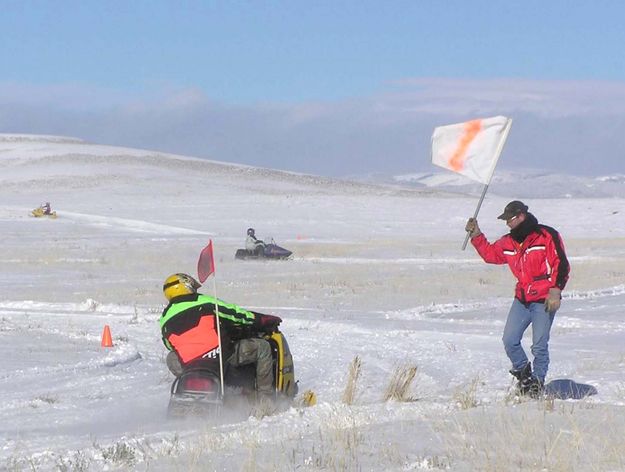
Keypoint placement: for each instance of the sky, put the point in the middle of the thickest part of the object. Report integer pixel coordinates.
(330, 88)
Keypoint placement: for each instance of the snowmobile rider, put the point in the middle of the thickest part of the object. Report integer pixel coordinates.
(47, 210)
(190, 333)
(535, 254)
(253, 245)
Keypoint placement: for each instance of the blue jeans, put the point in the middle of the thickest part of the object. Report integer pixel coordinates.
(519, 319)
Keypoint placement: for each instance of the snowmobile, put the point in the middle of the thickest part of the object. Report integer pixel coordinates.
(40, 212)
(269, 251)
(198, 390)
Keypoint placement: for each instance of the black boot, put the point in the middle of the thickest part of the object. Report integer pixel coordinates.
(524, 377)
(536, 388)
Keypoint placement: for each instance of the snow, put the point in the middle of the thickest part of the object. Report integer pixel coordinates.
(378, 272)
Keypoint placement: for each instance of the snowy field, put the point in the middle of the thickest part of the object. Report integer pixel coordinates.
(378, 273)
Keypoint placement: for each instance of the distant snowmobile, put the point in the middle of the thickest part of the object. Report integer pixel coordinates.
(268, 251)
(198, 389)
(43, 210)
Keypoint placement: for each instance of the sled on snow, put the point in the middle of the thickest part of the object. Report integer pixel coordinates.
(269, 251)
(198, 390)
(40, 213)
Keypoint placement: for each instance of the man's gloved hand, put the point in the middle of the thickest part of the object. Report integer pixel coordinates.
(269, 322)
(552, 303)
(472, 228)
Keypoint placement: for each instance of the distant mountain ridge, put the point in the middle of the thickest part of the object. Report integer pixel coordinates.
(526, 183)
(46, 161)
(513, 184)
(37, 138)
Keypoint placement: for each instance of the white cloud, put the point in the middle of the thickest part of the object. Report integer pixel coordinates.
(551, 99)
(556, 123)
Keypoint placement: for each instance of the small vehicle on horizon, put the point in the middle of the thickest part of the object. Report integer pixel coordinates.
(43, 210)
(266, 251)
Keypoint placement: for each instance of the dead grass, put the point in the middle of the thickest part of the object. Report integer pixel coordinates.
(399, 385)
(465, 396)
(530, 437)
(351, 387)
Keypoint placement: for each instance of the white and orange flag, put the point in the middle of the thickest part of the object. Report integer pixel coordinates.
(471, 148)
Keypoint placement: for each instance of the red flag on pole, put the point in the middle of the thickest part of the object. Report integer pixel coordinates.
(206, 262)
(205, 268)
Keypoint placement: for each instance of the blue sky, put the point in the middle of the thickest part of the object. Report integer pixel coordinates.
(216, 72)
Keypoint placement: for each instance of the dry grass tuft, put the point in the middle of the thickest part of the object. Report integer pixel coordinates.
(466, 396)
(399, 384)
(349, 394)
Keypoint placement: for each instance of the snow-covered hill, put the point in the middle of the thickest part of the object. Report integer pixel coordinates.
(377, 273)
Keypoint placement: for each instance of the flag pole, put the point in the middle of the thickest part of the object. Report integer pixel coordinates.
(477, 210)
(221, 360)
(502, 141)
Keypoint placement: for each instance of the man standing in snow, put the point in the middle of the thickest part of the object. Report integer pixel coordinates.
(535, 254)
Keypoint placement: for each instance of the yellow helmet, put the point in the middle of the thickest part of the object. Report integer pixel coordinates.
(179, 284)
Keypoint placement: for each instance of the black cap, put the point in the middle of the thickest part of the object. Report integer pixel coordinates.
(512, 209)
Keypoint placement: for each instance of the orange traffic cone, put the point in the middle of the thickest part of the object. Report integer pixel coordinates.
(107, 341)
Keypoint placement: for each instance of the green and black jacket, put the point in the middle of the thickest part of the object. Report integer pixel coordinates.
(188, 326)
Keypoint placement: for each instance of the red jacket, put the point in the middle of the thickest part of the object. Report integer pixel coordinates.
(539, 262)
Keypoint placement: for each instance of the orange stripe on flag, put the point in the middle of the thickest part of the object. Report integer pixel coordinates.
(458, 158)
